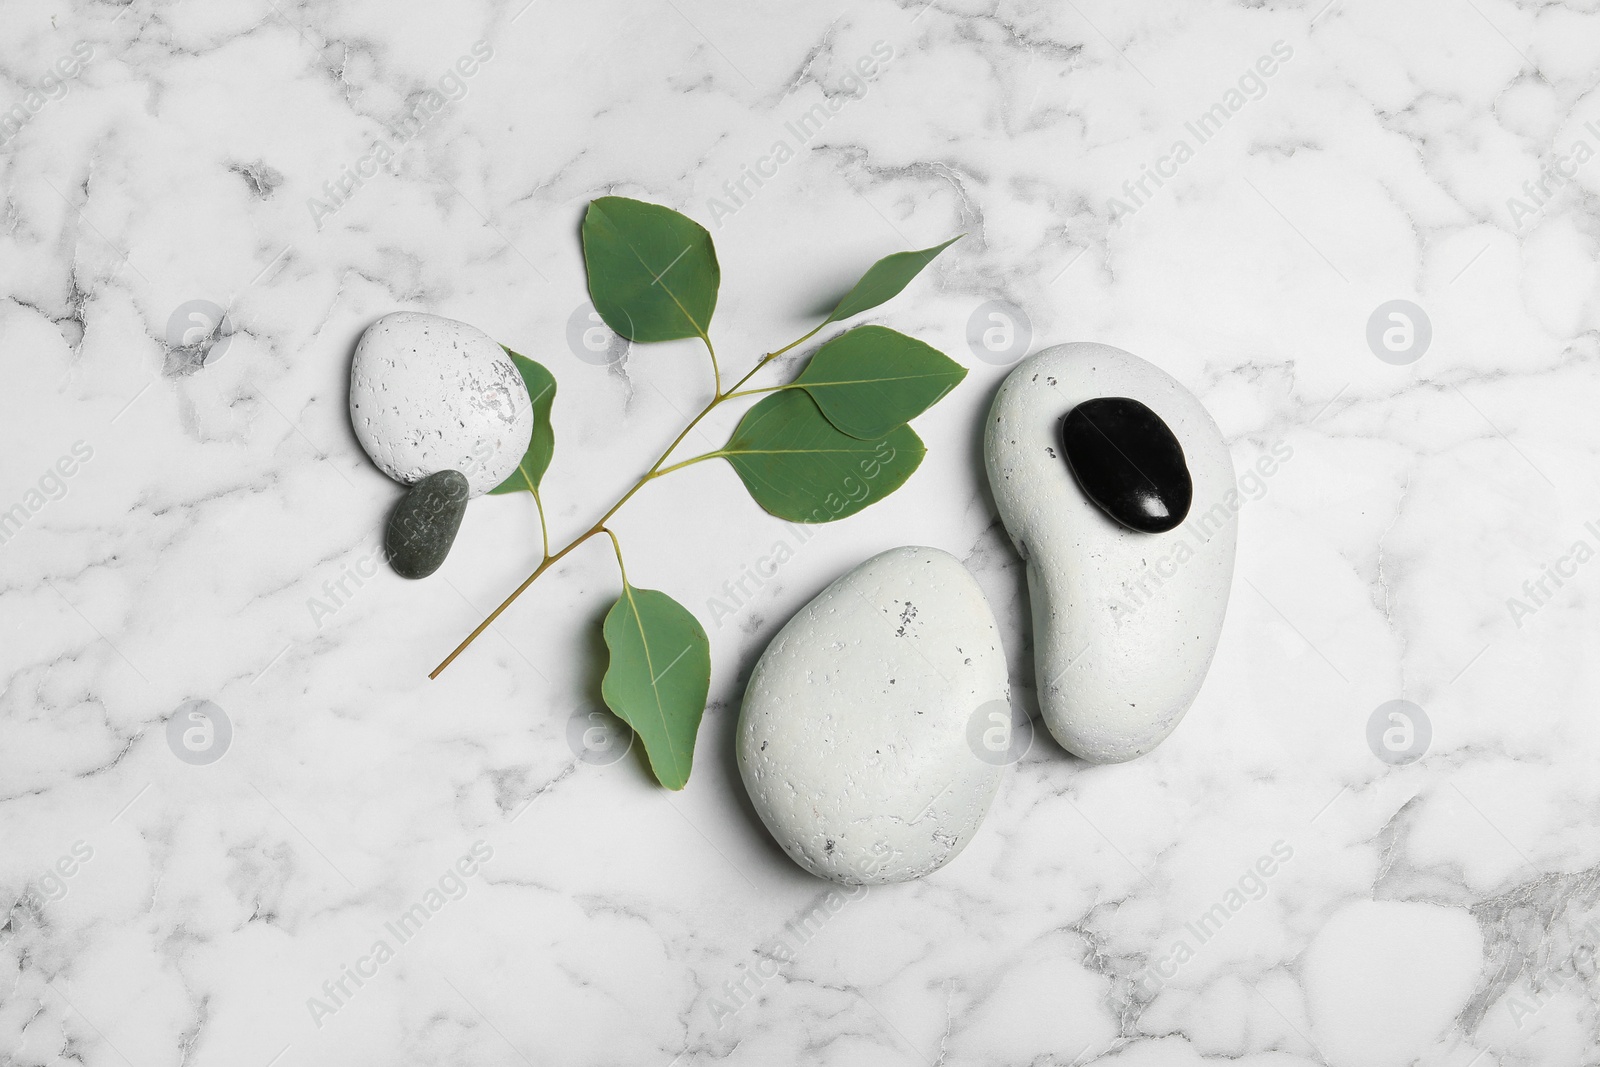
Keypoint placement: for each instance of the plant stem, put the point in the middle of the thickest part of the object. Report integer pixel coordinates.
(716, 372)
(770, 356)
(759, 389)
(599, 527)
(544, 531)
(549, 561)
(616, 546)
(688, 462)
(656, 470)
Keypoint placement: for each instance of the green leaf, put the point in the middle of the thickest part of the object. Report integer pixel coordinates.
(872, 379)
(541, 386)
(800, 468)
(653, 273)
(884, 280)
(658, 677)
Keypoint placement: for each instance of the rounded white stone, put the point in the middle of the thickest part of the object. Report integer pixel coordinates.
(1124, 623)
(854, 738)
(429, 394)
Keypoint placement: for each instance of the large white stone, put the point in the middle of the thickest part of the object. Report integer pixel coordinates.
(1124, 623)
(856, 739)
(429, 394)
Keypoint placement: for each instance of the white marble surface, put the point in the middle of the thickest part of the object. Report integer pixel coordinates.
(1426, 913)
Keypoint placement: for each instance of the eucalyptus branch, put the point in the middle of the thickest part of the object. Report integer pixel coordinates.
(832, 438)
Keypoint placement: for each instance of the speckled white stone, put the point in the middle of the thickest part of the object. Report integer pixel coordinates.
(1124, 623)
(854, 735)
(430, 394)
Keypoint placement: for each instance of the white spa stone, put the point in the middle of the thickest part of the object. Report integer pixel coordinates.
(1124, 623)
(429, 394)
(855, 739)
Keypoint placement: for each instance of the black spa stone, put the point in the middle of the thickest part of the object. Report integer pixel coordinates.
(1128, 462)
(424, 524)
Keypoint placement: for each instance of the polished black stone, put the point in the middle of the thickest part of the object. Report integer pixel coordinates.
(424, 524)
(1128, 462)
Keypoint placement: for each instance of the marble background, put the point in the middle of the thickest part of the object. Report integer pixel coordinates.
(165, 163)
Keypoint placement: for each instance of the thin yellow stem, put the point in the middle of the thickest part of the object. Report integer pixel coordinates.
(758, 390)
(544, 531)
(770, 356)
(688, 462)
(549, 561)
(616, 546)
(598, 527)
(716, 372)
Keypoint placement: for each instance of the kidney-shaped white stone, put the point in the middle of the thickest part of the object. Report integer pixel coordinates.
(855, 739)
(429, 394)
(1124, 623)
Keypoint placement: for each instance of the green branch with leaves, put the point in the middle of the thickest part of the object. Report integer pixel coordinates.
(814, 449)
